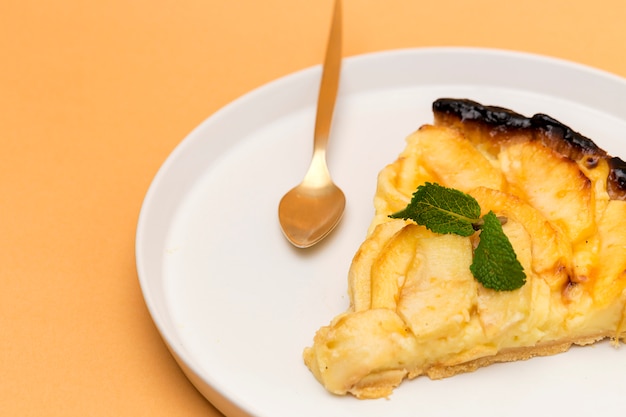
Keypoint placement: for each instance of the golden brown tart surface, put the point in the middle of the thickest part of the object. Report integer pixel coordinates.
(415, 308)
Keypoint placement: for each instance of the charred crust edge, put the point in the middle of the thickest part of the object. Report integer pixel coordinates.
(562, 138)
(617, 178)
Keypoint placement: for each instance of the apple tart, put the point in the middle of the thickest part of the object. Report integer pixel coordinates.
(415, 307)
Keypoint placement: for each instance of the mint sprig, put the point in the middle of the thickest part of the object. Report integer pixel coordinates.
(448, 211)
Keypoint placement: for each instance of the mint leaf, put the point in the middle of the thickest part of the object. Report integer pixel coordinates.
(495, 264)
(446, 210)
(442, 210)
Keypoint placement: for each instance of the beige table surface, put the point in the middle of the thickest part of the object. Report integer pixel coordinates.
(93, 98)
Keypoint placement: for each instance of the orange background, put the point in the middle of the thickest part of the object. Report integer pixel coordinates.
(93, 98)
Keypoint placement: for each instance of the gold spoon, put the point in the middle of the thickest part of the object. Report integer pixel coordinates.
(312, 209)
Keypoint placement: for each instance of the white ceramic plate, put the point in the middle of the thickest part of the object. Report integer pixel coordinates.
(237, 304)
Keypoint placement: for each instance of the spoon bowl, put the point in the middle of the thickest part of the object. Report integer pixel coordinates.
(309, 214)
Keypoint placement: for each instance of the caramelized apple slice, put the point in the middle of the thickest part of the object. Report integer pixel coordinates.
(439, 291)
(553, 184)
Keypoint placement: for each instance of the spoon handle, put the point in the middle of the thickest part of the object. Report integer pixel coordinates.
(329, 83)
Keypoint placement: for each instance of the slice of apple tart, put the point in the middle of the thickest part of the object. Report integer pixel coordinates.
(416, 308)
